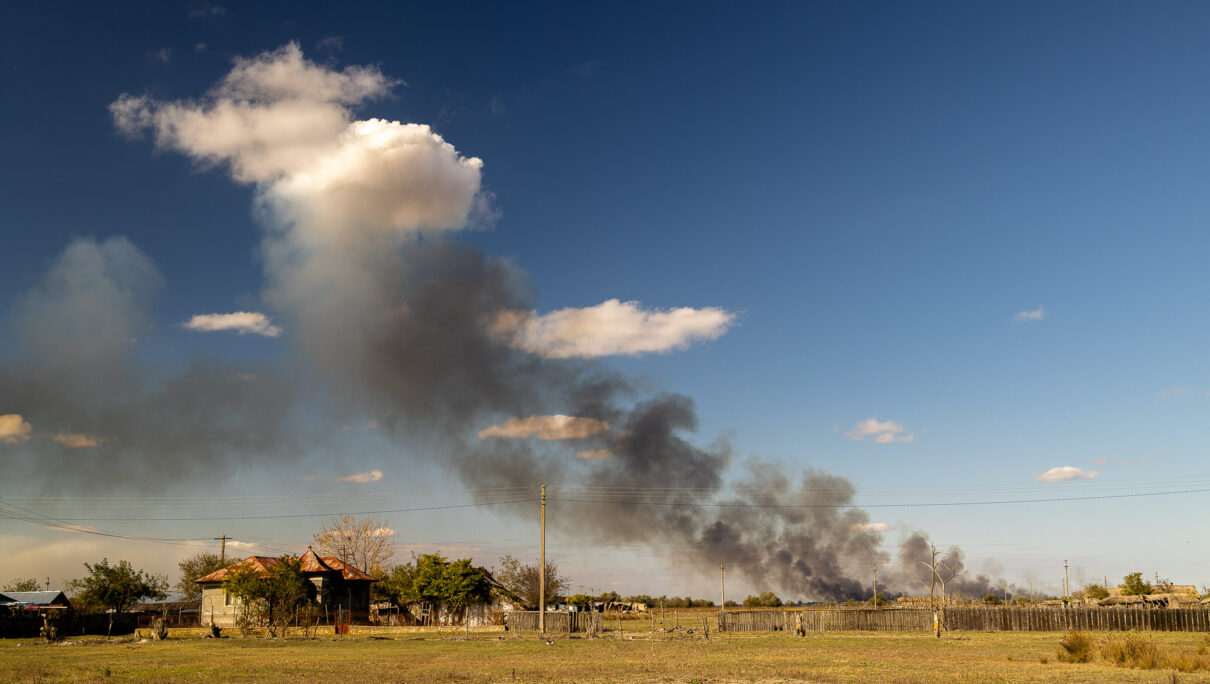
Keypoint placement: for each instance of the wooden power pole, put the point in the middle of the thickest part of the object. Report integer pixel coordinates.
(933, 576)
(1066, 585)
(222, 550)
(542, 568)
(722, 587)
(875, 585)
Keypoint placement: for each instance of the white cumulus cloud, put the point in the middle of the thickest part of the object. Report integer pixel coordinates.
(242, 322)
(1066, 473)
(883, 431)
(871, 527)
(1030, 315)
(285, 124)
(372, 476)
(77, 440)
(546, 428)
(14, 428)
(610, 328)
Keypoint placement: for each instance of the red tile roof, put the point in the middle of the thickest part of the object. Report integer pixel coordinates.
(347, 571)
(309, 563)
(260, 564)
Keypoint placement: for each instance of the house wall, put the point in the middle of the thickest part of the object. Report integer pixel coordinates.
(217, 608)
(335, 593)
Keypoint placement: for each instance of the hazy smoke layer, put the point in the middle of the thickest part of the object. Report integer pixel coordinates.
(76, 380)
(406, 326)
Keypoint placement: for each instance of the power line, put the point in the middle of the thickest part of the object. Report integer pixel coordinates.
(639, 502)
(307, 515)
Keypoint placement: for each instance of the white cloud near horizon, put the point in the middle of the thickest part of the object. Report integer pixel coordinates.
(871, 527)
(883, 431)
(1067, 473)
(77, 440)
(1030, 315)
(371, 476)
(14, 428)
(611, 328)
(556, 427)
(242, 322)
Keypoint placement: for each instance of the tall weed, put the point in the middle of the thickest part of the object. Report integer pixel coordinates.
(1075, 647)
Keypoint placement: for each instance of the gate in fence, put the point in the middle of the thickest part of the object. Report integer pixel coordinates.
(992, 618)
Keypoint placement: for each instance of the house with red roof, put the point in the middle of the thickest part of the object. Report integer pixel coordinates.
(332, 584)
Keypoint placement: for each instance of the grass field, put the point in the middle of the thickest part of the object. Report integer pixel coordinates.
(493, 656)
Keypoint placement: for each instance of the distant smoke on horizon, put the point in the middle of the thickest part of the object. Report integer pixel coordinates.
(403, 326)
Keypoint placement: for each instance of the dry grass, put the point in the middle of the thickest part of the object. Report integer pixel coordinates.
(679, 657)
(1133, 650)
(1136, 650)
(1075, 647)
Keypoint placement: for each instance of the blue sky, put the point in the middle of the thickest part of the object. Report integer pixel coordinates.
(874, 191)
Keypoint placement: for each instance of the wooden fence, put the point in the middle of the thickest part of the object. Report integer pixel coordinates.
(1196, 619)
(69, 624)
(566, 623)
(992, 618)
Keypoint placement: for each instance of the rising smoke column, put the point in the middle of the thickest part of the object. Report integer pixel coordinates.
(439, 343)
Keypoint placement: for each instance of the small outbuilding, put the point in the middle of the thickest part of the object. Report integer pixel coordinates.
(35, 600)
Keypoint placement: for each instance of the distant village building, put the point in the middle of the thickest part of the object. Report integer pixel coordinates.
(333, 585)
(34, 600)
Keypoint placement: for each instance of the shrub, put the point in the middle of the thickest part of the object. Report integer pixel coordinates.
(1075, 647)
(1132, 650)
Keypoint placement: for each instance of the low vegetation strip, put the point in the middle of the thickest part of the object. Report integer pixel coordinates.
(1132, 650)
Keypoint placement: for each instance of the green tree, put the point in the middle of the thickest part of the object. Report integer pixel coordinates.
(1133, 585)
(991, 599)
(1096, 591)
(117, 586)
(462, 585)
(269, 600)
(22, 584)
(580, 600)
(767, 599)
(197, 566)
(395, 585)
(524, 580)
(429, 568)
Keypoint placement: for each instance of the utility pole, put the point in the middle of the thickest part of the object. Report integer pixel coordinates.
(48, 584)
(542, 568)
(222, 553)
(1031, 591)
(875, 585)
(1006, 591)
(1066, 585)
(722, 587)
(933, 576)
